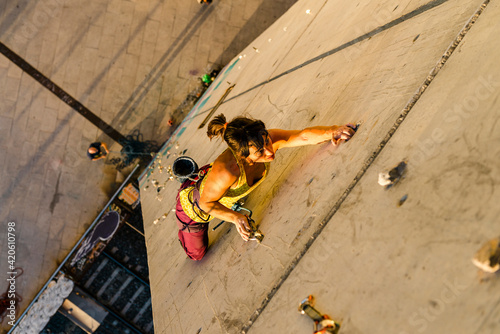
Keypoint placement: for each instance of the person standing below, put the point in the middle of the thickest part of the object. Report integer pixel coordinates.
(97, 151)
(236, 172)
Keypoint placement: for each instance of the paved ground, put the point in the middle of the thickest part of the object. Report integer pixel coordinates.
(132, 63)
(375, 262)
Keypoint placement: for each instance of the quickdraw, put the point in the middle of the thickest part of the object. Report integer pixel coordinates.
(255, 234)
(322, 323)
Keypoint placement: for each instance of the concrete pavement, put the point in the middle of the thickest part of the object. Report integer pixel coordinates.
(422, 79)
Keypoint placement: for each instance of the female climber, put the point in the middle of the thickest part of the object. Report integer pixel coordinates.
(236, 172)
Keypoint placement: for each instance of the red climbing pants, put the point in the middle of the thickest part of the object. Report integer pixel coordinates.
(192, 235)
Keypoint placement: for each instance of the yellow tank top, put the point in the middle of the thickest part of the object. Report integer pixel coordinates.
(231, 196)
